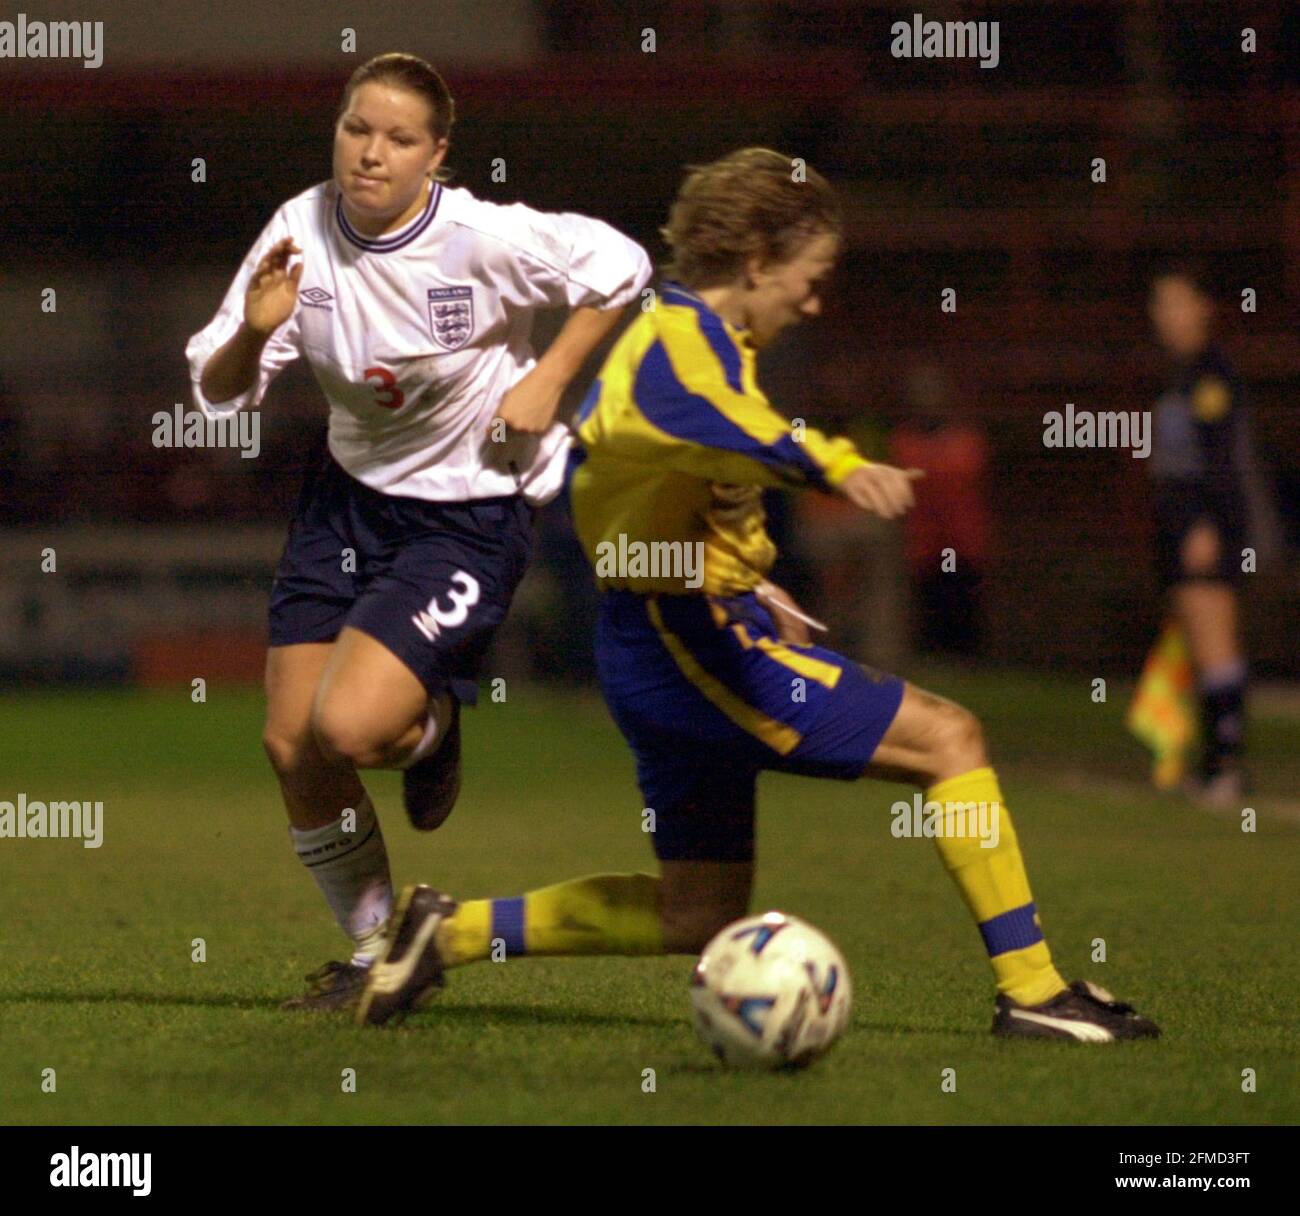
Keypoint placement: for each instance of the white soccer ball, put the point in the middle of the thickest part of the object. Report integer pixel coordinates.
(770, 991)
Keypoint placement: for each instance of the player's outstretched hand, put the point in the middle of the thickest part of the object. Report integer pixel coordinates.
(273, 289)
(881, 489)
(530, 406)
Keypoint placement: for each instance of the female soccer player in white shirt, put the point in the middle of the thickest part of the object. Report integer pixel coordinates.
(413, 302)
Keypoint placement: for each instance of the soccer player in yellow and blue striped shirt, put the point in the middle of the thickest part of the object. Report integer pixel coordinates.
(708, 668)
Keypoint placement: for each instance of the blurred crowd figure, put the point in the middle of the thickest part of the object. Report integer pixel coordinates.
(854, 561)
(949, 533)
(868, 576)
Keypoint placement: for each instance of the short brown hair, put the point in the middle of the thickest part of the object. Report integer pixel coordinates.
(1191, 270)
(751, 202)
(412, 73)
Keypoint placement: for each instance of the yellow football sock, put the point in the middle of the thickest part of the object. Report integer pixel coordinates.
(994, 884)
(600, 914)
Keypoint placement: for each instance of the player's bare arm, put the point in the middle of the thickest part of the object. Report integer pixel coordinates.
(269, 302)
(530, 405)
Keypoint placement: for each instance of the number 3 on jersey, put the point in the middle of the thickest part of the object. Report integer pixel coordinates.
(435, 618)
(387, 395)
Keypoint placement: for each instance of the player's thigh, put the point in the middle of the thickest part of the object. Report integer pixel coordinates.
(698, 898)
(293, 675)
(367, 698)
(930, 739)
(1207, 610)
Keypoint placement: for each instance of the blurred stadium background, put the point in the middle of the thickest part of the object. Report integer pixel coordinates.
(952, 176)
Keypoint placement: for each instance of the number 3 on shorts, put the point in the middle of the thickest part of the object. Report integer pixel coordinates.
(464, 594)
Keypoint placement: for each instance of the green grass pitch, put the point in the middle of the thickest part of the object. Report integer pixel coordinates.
(97, 980)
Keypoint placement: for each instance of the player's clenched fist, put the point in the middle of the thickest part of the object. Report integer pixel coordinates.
(530, 405)
(273, 289)
(881, 489)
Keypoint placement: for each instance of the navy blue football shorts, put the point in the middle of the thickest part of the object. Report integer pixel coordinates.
(1179, 507)
(432, 581)
(708, 697)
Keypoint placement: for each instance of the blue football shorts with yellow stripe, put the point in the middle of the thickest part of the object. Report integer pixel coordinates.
(708, 696)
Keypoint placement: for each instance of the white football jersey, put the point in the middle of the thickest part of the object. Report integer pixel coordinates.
(415, 336)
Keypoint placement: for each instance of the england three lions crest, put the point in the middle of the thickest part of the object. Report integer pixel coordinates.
(451, 316)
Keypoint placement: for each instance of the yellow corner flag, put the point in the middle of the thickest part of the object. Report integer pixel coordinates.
(1163, 712)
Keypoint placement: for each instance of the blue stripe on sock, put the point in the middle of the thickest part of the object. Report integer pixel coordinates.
(508, 923)
(1012, 930)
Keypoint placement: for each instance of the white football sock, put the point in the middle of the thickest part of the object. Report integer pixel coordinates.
(351, 869)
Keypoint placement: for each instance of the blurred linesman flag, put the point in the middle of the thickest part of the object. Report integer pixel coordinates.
(1163, 712)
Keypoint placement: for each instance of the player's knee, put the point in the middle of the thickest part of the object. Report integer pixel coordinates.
(957, 742)
(343, 737)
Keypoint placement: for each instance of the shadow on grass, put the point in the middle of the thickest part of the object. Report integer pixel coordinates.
(432, 1015)
(429, 1017)
(80, 997)
(947, 1031)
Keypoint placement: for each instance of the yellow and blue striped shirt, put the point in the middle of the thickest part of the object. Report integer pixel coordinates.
(676, 442)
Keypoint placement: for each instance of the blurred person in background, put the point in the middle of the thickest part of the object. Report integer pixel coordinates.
(413, 529)
(948, 534)
(856, 560)
(1209, 506)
